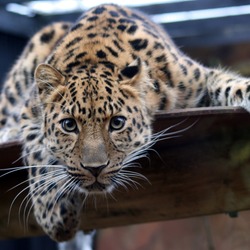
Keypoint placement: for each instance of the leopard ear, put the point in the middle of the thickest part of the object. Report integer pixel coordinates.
(132, 72)
(135, 79)
(47, 78)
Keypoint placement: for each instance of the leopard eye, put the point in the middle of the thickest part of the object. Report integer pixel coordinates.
(117, 123)
(69, 125)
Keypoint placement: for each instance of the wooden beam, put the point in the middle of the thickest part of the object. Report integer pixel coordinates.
(204, 171)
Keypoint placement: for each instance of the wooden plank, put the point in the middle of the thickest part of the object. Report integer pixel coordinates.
(204, 171)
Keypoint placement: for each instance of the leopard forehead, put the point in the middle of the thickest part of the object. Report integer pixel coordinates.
(93, 94)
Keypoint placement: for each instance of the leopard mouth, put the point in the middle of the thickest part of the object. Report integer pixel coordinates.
(92, 183)
(95, 187)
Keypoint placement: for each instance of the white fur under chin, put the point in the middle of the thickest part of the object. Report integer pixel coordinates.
(81, 241)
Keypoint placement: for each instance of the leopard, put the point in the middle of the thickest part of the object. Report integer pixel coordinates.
(82, 98)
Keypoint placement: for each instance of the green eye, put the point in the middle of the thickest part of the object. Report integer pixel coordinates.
(69, 125)
(117, 123)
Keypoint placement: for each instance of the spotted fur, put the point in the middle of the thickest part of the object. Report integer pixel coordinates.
(87, 93)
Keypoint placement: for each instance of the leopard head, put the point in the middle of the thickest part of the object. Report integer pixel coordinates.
(96, 121)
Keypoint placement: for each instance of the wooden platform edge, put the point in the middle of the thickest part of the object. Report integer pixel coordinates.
(206, 170)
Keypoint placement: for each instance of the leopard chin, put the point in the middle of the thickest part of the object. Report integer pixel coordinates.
(96, 188)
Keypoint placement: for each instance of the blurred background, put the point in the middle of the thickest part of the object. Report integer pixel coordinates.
(216, 33)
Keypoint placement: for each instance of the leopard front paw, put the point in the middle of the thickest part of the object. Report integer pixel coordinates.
(60, 220)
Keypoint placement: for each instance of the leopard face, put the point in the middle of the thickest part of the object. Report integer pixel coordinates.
(94, 120)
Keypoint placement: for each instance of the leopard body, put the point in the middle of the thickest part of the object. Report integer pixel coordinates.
(86, 94)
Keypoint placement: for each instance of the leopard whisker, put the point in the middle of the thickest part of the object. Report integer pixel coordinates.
(131, 164)
(174, 126)
(22, 191)
(13, 201)
(124, 180)
(125, 176)
(73, 188)
(142, 151)
(106, 199)
(134, 175)
(117, 182)
(128, 182)
(19, 168)
(85, 199)
(61, 191)
(30, 196)
(111, 194)
(24, 155)
(44, 176)
(57, 180)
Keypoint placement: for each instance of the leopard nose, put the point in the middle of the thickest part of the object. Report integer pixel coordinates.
(95, 171)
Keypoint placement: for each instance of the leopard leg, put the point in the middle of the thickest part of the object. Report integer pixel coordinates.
(228, 89)
(56, 205)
